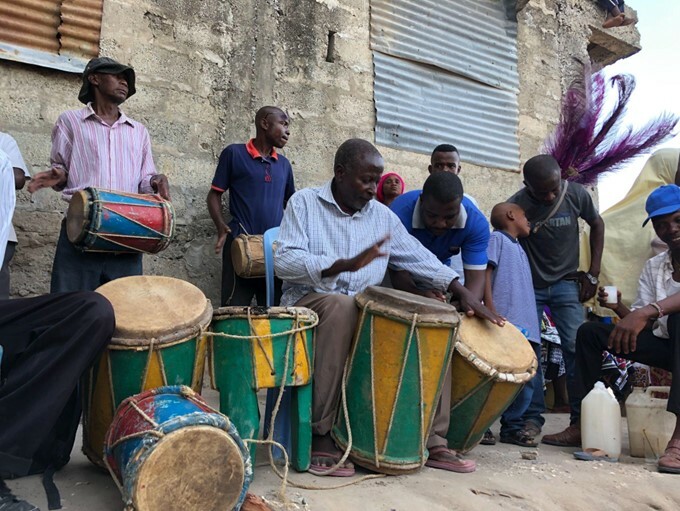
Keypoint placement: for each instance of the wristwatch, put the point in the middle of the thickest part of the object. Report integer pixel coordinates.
(591, 279)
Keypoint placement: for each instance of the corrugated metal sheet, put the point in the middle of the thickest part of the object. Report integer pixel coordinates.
(419, 107)
(446, 72)
(80, 28)
(30, 23)
(473, 38)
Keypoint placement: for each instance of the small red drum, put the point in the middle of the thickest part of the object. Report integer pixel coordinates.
(169, 451)
(107, 221)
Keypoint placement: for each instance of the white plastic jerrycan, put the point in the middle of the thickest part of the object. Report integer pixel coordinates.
(650, 426)
(601, 421)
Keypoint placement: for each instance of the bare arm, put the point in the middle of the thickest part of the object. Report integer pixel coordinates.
(215, 209)
(488, 292)
(403, 281)
(475, 282)
(19, 178)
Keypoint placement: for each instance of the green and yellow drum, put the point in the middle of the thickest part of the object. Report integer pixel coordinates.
(158, 341)
(402, 349)
(255, 348)
(490, 366)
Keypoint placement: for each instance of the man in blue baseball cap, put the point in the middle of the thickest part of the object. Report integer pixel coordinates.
(648, 332)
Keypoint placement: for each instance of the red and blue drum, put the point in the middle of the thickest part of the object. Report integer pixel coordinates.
(169, 451)
(107, 221)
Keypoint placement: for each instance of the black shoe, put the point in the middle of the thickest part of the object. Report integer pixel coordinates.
(11, 503)
(488, 438)
(523, 438)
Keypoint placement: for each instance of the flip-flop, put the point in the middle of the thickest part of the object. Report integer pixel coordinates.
(322, 470)
(669, 462)
(592, 454)
(459, 466)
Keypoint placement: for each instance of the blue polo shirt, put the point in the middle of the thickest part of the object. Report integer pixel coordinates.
(259, 187)
(469, 236)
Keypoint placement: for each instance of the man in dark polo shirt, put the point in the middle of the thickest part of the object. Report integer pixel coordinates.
(553, 252)
(260, 182)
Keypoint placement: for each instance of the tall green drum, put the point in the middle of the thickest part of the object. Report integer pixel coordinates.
(255, 348)
(158, 341)
(402, 349)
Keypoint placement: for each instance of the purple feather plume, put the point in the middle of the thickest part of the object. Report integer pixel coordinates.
(589, 141)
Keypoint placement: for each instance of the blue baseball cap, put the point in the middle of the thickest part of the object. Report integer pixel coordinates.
(662, 201)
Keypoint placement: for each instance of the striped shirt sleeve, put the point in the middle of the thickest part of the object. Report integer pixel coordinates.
(409, 254)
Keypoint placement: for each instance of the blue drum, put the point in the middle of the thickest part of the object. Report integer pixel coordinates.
(168, 450)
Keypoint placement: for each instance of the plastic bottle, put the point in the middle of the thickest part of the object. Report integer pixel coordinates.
(650, 426)
(601, 421)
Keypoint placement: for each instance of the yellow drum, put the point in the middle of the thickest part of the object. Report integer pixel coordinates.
(158, 341)
(401, 352)
(489, 368)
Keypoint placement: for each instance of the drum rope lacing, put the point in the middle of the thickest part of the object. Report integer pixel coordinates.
(269, 440)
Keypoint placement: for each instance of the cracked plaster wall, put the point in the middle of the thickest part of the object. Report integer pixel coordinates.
(204, 67)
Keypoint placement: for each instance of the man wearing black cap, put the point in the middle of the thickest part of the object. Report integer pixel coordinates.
(649, 332)
(99, 146)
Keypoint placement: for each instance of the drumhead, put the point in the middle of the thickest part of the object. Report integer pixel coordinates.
(154, 307)
(303, 314)
(78, 216)
(197, 467)
(495, 349)
(400, 304)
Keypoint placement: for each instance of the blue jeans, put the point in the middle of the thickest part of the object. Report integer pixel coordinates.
(512, 420)
(567, 312)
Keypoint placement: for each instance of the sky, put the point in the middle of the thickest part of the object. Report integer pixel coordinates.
(657, 71)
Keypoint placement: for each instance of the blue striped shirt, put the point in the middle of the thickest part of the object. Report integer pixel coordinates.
(315, 233)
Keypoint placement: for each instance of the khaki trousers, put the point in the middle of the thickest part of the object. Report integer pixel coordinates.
(338, 316)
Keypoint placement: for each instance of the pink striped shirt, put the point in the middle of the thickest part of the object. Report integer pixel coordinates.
(95, 154)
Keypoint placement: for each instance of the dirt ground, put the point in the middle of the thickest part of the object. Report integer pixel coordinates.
(503, 480)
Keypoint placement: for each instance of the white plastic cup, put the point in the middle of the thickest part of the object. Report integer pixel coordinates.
(612, 294)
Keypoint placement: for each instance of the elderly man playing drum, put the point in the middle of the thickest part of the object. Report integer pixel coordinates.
(46, 344)
(335, 241)
(99, 146)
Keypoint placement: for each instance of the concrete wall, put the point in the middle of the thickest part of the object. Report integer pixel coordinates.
(204, 67)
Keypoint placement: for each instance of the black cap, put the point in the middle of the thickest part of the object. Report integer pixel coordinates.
(109, 66)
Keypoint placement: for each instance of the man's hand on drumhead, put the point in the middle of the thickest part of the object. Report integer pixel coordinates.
(161, 186)
(434, 294)
(473, 307)
(222, 232)
(54, 177)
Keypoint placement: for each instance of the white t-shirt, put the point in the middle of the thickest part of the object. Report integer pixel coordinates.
(7, 200)
(11, 149)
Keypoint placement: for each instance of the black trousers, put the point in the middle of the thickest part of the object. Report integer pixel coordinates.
(74, 270)
(608, 5)
(591, 341)
(48, 343)
(239, 291)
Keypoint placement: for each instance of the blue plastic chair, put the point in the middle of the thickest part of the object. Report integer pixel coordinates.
(282, 426)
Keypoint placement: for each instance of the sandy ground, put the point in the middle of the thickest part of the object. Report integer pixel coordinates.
(503, 480)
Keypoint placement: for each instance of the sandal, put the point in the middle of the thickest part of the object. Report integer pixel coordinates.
(458, 464)
(523, 438)
(593, 454)
(319, 469)
(488, 438)
(669, 463)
